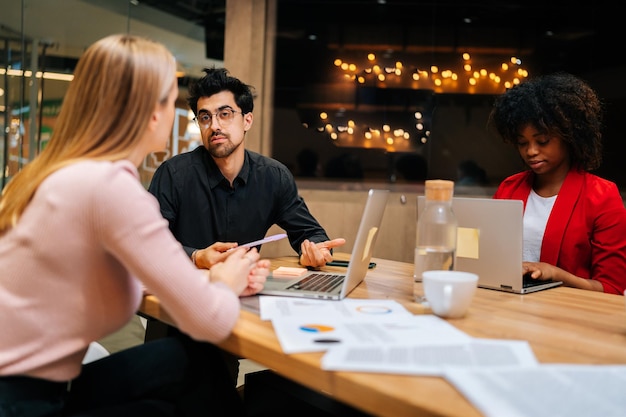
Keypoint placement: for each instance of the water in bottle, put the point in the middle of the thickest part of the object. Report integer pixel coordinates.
(435, 246)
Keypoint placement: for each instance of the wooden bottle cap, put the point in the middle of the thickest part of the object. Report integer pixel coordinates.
(439, 190)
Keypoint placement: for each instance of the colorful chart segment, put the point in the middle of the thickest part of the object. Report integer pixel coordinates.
(316, 328)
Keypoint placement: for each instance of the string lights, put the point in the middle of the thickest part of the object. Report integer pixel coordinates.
(467, 78)
(389, 104)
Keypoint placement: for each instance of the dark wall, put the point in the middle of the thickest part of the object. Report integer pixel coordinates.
(459, 132)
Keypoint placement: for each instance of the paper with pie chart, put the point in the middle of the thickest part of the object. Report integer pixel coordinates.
(324, 332)
(272, 307)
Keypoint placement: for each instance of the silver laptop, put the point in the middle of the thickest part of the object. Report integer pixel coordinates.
(332, 285)
(490, 241)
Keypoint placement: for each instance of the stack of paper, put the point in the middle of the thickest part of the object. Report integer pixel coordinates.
(382, 336)
(500, 377)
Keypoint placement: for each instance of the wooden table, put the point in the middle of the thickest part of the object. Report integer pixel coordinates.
(562, 325)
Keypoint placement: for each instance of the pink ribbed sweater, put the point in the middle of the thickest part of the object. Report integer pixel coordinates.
(72, 271)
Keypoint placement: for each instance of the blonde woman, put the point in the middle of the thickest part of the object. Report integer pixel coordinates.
(80, 239)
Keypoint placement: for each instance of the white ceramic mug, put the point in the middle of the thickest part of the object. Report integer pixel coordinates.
(449, 293)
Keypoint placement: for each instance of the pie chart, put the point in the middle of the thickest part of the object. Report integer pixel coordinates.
(316, 328)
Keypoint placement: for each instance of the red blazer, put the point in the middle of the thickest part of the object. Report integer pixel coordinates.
(586, 230)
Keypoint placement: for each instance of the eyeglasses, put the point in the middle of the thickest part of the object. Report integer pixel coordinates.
(224, 116)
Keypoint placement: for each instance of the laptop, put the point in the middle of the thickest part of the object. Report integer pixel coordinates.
(332, 285)
(490, 241)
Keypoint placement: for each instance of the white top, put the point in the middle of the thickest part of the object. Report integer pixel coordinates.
(535, 218)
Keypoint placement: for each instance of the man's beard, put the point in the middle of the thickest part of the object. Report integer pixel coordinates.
(222, 150)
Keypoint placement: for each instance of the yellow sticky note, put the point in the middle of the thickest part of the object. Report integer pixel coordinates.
(368, 245)
(467, 242)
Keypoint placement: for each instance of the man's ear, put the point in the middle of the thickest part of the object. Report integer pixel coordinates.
(248, 119)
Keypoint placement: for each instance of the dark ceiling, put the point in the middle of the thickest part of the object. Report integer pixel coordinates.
(559, 34)
(550, 36)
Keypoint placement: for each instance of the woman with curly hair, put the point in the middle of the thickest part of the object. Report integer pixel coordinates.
(574, 221)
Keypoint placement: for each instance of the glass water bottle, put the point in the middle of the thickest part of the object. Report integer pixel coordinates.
(435, 243)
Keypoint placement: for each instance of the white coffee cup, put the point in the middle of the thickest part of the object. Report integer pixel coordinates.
(449, 293)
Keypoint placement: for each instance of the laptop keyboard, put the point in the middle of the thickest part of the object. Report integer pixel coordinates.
(318, 282)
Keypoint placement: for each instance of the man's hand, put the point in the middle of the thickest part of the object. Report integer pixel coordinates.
(209, 256)
(318, 254)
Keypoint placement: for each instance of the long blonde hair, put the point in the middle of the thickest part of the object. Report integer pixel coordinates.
(117, 84)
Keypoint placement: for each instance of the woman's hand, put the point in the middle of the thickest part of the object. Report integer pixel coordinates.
(236, 271)
(257, 277)
(544, 271)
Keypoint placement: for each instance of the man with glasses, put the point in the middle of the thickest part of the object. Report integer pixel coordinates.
(220, 193)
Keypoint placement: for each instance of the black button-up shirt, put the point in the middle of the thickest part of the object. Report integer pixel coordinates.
(202, 208)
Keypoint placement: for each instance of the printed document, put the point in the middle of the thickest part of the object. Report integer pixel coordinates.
(426, 356)
(549, 390)
(275, 307)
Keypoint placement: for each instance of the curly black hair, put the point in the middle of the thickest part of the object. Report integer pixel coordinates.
(217, 80)
(558, 104)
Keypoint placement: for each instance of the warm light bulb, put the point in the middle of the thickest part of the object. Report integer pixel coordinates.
(337, 62)
(323, 115)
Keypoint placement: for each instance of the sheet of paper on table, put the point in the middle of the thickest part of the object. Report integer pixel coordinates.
(428, 356)
(547, 390)
(304, 325)
(275, 307)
